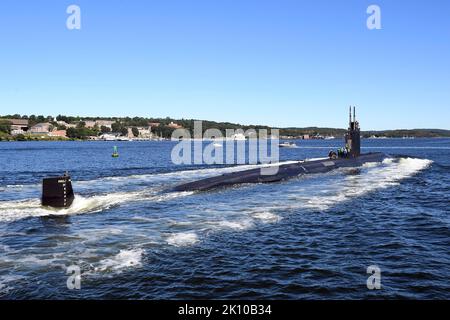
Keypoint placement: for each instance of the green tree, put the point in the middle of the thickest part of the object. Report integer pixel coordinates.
(104, 129)
(80, 133)
(124, 131)
(71, 133)
(135, 131)
(20, 137)
(116, 126)
(5, 126)
(81, 124)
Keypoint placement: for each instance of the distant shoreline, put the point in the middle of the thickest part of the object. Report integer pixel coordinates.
(67, 128)
(207, 140)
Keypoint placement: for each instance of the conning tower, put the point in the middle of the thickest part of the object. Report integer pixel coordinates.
(353, 135)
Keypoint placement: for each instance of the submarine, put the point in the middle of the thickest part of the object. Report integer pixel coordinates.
(57, 192)
(351, 157)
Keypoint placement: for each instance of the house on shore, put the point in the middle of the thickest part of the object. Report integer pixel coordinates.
(18, 126)
(104, 123)
(89, 124)
(41, 128)
(144, 133)
(58, 133)
(62, 123)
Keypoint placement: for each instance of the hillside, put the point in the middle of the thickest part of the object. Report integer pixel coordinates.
(165, 130)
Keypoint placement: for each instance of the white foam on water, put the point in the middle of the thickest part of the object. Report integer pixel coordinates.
(182, 239)
(243, 224)
(171, 195)
(131, 258)
(93, 235)
(15, 210)
(391, 160)
(369, 165)
(374, 177)
(266, 217)
(6, 282)
(20, 209)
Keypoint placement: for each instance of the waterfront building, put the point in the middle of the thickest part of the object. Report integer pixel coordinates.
(104, 123)
(18, 126)
(41, 128)
(58, 133)
(90, 124)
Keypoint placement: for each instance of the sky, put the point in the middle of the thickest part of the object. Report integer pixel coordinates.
(283, 63)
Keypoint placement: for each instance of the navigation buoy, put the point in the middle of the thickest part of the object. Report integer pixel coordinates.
(115, 153)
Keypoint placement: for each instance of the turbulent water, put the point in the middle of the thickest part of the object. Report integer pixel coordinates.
(307, 238)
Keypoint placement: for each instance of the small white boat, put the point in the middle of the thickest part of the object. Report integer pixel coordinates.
(217, 145)
(287, 145)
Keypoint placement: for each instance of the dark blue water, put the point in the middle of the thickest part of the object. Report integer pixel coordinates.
(306, 238)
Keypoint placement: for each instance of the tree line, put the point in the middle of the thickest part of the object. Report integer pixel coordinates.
(121, 125)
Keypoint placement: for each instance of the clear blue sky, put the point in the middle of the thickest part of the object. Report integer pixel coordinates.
(278, 62)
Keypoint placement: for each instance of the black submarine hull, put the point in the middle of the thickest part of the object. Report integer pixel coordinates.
(57, 192)
(285, 171)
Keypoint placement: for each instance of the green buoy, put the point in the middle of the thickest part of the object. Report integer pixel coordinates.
(115, 153)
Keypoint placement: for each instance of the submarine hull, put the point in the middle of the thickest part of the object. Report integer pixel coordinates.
(57, 192)
(285, 171)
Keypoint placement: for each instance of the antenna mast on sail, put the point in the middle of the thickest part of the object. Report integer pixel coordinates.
(350, 117)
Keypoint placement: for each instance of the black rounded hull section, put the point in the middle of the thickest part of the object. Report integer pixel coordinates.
(57, 192)
(284, 172)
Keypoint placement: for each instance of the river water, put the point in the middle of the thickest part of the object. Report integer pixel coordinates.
(306, 238)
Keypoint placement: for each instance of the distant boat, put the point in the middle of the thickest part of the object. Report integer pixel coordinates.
(287, 145)
(108, 137)
(329, 138)
(217, 145)
(237, 137)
